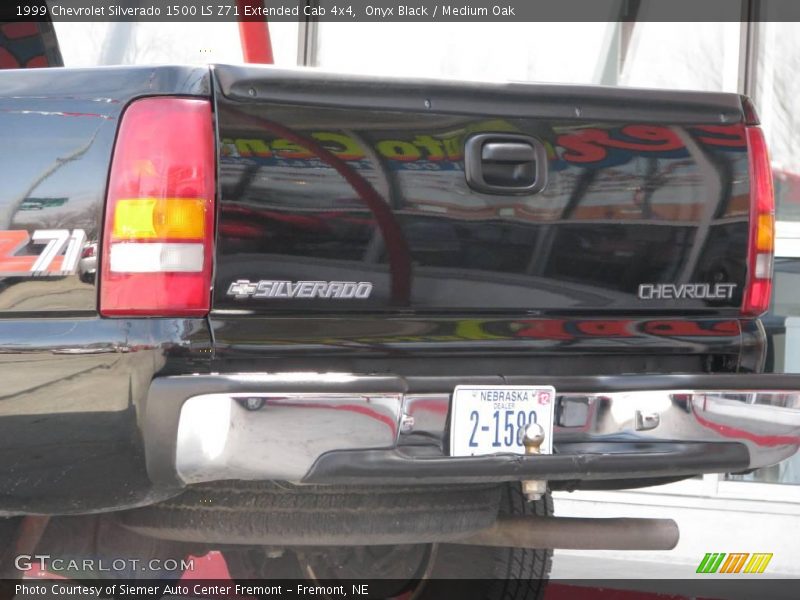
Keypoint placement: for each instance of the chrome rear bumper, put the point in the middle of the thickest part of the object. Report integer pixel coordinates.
(341, 428)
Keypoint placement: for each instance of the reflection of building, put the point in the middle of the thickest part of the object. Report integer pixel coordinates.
(28, 45)
(621, 200)
(787, 194)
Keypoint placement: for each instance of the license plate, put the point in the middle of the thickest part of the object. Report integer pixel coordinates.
(492, 419)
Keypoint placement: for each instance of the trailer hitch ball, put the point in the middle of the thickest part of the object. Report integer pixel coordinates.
(533, 439)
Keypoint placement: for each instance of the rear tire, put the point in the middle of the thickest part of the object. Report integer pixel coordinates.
(492, 573)
(273, 514)
(507, 573)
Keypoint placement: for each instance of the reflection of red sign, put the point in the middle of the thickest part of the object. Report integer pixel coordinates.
(19, 46)
(691, 328)
(592, 145)
(562, 329)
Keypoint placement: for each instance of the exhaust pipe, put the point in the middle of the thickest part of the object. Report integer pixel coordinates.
(569, 533)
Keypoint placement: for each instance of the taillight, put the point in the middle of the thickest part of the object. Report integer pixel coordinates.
(157, 248)
(758, 289)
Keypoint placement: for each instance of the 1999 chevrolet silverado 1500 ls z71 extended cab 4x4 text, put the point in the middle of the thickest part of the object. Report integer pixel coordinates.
(246, 306)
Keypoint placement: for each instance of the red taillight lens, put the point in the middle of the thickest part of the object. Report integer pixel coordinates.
(758, 290)
(157, 248)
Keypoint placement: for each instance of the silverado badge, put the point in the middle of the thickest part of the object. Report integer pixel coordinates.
(269, 288)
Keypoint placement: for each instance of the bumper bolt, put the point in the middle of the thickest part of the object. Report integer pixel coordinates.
(253, 403)
(406, 423)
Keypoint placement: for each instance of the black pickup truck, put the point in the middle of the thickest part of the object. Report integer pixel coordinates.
(277, 312)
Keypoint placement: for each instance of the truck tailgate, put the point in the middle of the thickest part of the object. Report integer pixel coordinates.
(341, 193)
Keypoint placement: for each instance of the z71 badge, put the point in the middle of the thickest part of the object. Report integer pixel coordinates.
(60, 256)
(268, 288)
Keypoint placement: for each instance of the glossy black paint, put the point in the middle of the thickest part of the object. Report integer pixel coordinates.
(317, 184)
(427, 345)
(59, 126)
(73, 384)
(71, 403)
(595, 103)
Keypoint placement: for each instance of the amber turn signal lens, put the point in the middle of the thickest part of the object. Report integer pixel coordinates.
(160, 218)
(765, 235)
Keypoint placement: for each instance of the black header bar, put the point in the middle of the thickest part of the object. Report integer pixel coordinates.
(374, 11)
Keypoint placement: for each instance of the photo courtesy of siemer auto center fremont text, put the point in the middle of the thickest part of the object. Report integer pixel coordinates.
(399, 300)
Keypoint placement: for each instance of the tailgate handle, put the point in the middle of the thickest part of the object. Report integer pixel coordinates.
(505, 164)
(508, 152)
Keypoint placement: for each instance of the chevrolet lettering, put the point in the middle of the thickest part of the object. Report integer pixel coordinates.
(697, 291)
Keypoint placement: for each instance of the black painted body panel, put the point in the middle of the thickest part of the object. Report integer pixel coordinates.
(71, 383)
(475, 285)
(71, 403)
(477, 346)
(58, 127)
(317, 184)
